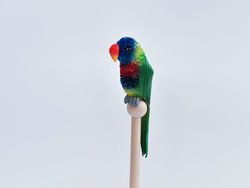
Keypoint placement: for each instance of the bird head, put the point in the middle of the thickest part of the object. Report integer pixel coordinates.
(124, 50)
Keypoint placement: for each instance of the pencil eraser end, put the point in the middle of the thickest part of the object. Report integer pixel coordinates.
(138, 111)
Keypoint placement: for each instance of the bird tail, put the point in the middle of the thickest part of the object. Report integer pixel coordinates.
(144, 133)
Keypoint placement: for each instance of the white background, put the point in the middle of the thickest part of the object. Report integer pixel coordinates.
(63, 123)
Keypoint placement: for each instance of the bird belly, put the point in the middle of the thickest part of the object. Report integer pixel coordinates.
(129, 75)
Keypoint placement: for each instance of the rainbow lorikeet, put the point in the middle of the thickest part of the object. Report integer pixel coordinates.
(136, 78)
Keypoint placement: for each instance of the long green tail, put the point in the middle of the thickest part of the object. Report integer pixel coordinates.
(144, 133)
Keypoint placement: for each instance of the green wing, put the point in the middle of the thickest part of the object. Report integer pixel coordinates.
(145, 82)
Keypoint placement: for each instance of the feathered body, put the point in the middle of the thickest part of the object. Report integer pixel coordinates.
(136, 78)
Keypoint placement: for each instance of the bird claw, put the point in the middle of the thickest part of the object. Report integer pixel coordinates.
(133, 101)
(126, 99)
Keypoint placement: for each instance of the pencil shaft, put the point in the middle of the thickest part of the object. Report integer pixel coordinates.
(135, 152)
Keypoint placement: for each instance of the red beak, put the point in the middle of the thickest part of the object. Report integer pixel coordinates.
(114, 52)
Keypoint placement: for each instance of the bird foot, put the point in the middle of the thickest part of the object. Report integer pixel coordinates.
(133, 101)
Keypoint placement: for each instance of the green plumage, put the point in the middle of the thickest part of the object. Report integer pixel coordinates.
(136, 78)
(145, 82)
(143, 91)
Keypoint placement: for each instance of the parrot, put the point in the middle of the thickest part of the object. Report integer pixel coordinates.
(136, 76)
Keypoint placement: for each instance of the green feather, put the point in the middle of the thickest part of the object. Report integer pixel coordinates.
(143, 91)
(146, 75)
(144, 133)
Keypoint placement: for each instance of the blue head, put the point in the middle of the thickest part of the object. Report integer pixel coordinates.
(124, 50)
(127, 48)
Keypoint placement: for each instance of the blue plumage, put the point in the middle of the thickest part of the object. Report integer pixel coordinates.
(127, 48)
(129, 82)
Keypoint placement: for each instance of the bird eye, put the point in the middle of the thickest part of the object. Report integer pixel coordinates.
(127, 48)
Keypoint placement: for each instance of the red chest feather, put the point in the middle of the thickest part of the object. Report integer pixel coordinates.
(131, 69)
